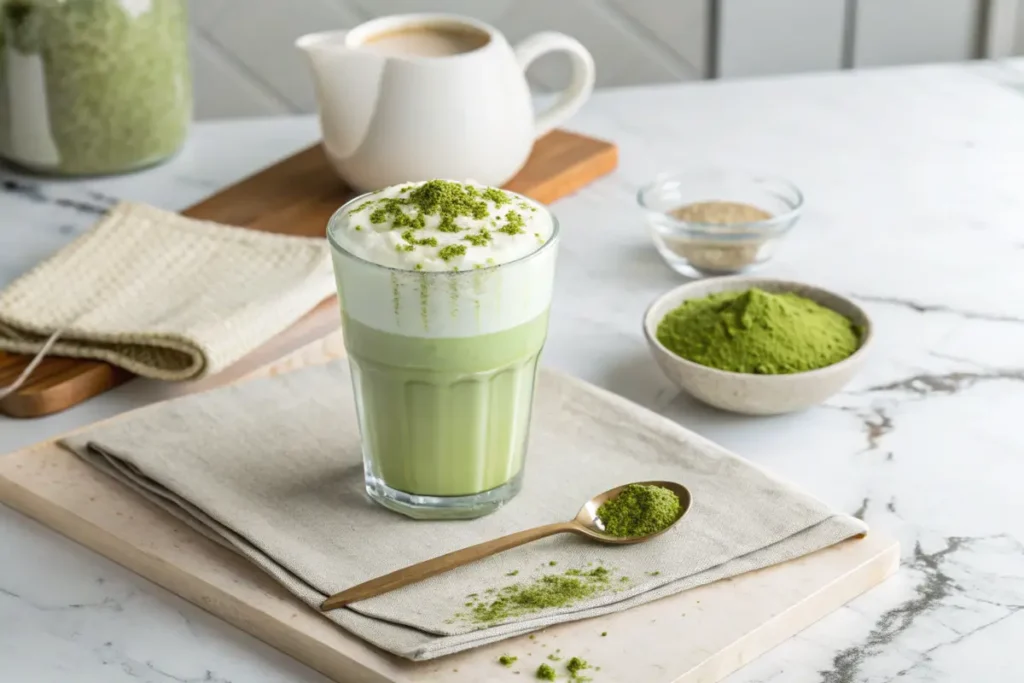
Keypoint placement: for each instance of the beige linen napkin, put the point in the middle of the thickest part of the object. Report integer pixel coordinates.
(165, 296)
(271, 468)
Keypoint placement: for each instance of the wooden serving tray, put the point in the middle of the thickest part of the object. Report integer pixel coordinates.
(699, 636)
(295, 197)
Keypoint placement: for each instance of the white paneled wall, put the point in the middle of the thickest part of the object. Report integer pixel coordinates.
(888, 32)
(245, 63)
(760, 37)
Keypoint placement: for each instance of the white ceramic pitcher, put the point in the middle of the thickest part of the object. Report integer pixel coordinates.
(468, 116)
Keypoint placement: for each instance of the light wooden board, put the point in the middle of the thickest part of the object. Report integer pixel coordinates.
(699, 636)
(296, 197)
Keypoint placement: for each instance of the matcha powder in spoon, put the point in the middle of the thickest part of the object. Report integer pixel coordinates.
(639, 510)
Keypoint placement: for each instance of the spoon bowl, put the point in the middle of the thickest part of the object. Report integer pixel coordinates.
(592, 527)
(585, 523)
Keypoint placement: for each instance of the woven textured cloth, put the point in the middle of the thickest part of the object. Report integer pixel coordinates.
(272, 469)
(165, 296)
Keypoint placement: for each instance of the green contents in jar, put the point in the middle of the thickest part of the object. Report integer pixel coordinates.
(93, 86)
(639, 510)
(758, 332)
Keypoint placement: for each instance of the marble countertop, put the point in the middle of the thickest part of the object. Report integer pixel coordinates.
(914, 181)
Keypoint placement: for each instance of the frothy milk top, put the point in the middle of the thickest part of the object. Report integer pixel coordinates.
(440, 225)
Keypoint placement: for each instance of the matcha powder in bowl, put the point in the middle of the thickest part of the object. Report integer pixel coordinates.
(93, 86)
(758, 332)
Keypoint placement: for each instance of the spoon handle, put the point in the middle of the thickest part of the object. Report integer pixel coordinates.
(439, 565)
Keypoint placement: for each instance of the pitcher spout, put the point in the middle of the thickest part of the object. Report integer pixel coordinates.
(346, 82)
(322, 40)
(326, 52)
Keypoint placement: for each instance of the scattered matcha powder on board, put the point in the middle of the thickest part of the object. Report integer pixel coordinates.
(507, 660)
(554, 658)
(513, 572)
(575, 665)
(757, 332)
(545, 673)
(638, 510)
(604, 633)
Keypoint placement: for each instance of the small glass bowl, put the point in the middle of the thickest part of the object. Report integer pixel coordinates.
(698, 249)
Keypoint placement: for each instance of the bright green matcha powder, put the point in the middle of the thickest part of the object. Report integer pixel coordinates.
(639, 510)
(757, 332)
(549, 591)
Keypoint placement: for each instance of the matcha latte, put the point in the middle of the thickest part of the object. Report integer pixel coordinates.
(444, 289)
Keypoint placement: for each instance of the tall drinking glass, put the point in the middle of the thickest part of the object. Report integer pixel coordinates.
(443, 368)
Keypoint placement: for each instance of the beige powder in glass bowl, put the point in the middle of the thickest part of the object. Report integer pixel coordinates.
(718, 223)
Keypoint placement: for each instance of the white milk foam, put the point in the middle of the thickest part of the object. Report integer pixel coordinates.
(381, 243)
(488, 289)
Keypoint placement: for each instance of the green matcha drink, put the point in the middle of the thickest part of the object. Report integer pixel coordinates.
(444, 289)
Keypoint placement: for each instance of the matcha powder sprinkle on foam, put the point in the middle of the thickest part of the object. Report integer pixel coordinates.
(441, 225)
(757, 332)
(639, 510)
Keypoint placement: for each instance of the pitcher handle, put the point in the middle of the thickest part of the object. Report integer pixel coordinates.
(580, 86)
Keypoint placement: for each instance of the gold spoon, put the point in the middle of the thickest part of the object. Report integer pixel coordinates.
(586, 523)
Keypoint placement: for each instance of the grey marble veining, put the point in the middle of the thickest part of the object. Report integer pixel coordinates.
(913, 181)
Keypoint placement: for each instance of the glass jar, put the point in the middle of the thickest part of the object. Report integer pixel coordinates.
(93, 86)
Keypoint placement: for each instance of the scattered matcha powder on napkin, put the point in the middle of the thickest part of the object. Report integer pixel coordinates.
(549, 591)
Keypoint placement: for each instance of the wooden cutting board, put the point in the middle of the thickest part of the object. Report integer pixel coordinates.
(294, 197)
(699, 636)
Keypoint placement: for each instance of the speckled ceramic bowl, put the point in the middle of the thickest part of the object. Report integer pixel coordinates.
(755, 394)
